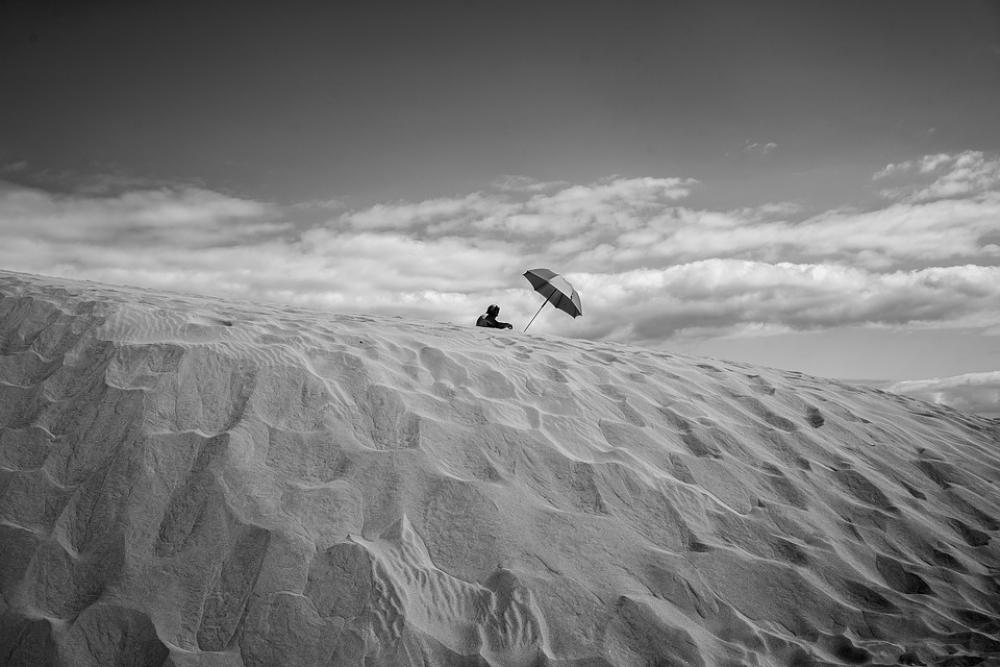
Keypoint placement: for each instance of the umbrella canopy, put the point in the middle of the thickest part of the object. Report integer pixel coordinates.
(556, 291)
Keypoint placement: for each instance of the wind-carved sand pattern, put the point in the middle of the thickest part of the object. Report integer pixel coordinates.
(187, 481)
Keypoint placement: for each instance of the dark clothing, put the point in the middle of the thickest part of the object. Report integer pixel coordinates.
(491, 322)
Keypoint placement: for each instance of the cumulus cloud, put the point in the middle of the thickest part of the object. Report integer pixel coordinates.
(941, 176)
(899, 235)
(648, 264)
(729, 296)
(528, 211)
(973, 393)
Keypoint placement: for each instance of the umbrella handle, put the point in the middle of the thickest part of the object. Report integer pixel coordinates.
(549, 298)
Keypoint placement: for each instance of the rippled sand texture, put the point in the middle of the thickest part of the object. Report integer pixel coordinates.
(187, 481)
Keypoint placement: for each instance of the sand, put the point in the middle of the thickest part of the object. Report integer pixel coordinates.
(190, 481)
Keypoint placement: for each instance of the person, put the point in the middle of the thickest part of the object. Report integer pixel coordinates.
(490, 319)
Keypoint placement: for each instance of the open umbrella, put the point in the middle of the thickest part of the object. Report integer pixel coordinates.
(556, 291)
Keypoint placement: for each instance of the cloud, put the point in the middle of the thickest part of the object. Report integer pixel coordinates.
(759, 147)
(973, 393)
(899, 235)
(769, 211)
(648, 264)
(514, 183)
(942, 176)
(417, 215)
(528, 212)
(14, 167)
(188, 216)
(725, 296)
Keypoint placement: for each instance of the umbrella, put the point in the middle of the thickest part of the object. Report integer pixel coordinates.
(556, 290)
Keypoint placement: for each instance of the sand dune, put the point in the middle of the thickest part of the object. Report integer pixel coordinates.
(187, 481)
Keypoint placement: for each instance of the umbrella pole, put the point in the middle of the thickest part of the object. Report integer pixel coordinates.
(549, 298)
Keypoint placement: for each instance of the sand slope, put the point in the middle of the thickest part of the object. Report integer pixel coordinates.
(186, 481)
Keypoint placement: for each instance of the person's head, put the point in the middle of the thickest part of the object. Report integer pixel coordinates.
(493, 310)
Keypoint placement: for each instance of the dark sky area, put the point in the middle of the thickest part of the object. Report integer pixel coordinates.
(291, 101)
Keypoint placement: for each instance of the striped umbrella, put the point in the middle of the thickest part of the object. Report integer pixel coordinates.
(556, 291)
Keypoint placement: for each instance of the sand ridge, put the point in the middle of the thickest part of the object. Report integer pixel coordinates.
(203, 482)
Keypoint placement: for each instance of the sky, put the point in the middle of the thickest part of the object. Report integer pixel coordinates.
(806, 185)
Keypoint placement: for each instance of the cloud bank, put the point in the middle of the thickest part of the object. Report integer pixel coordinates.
(974, 393)
(649, 265)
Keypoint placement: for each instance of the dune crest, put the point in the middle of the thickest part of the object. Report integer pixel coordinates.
(190, 481)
